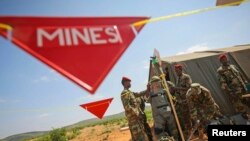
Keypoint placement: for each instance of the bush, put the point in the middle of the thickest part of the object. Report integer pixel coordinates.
(76, 131)
(44, 138)
(58, 135)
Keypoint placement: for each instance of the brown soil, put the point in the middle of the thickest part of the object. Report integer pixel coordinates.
(103, 133)
(107, 133)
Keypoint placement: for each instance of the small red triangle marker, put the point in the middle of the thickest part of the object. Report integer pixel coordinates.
(98, 108)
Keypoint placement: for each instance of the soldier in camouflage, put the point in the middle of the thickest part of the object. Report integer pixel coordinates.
(233, 84)
(202, 107)
(182, 85)
(164, 124)
(133, 111)
(141, 101)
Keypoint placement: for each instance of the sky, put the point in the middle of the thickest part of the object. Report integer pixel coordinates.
(33, 97)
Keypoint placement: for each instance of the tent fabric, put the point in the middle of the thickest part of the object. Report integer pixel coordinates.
(242, 58)
(202, 67)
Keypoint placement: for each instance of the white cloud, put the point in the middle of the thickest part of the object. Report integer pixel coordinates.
(199, 47)
(44, 115)
(43, 78)
(52, 71)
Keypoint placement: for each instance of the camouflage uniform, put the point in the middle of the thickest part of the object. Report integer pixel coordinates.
(182, 109)
(132, 112)
(232, 83)
(202, 105)
(164, 123)
(143, 117)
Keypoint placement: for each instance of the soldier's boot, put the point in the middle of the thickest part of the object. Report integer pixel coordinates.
(202, 135)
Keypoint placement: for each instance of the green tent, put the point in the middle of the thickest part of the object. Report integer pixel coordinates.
(202, 67)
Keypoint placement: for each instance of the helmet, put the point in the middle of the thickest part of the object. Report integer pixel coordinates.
(195, 85)
(154, 79)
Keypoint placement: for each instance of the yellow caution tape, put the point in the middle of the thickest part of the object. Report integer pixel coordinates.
(5, 26)
(8, 27)
(186, 13)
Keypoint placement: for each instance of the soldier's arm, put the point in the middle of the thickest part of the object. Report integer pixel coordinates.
(239, 73)
(147, 98)
(192, 106)
(126, 104)
(242, 77)
(208, 98)
(193, 111)
(142, 93)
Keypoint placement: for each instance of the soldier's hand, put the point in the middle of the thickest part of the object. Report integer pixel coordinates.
(148, 89)
(148, 86)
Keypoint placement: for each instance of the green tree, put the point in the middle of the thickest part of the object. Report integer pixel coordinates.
(58, 135)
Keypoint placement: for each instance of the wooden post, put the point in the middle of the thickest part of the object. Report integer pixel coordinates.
(157, 65)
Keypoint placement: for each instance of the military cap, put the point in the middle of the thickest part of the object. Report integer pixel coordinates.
(178, 66)
(125, 79)
(222, 56)
(154, 79)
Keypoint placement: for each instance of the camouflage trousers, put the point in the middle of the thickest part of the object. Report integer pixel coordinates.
(147, 128)
(164, 122)
(137, 130)
(184, 116)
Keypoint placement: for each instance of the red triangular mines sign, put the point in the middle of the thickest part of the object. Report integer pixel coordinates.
(82, 49)
(98, 108)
